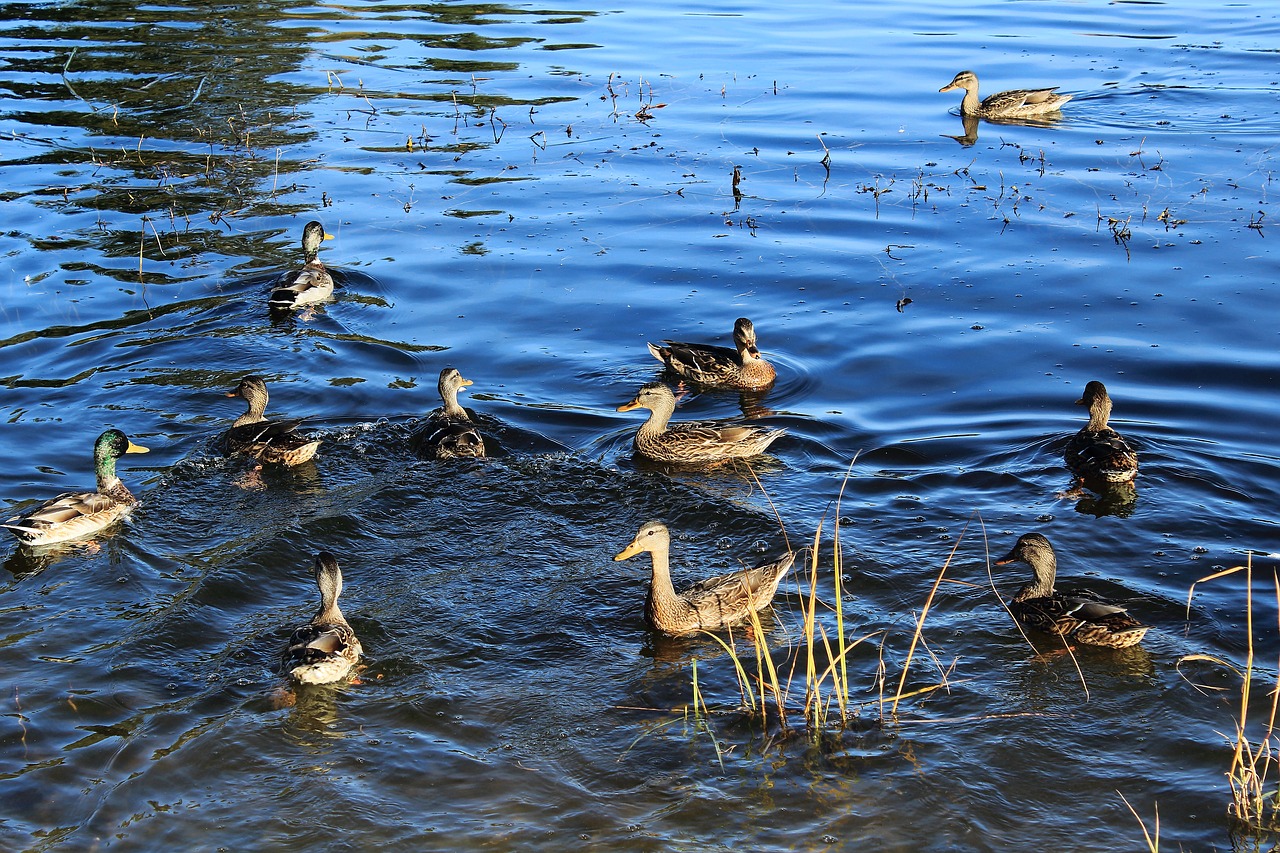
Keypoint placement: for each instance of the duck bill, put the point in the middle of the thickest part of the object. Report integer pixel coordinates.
(137, 448)
(628, 552)
(948, 87)
(467, 382)
(328, 236)
(1006, 560)
(626, 407)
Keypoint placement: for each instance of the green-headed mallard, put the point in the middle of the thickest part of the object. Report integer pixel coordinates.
(742, 368)
(325, 649)
(691, 443)
(310, 284)
(78, 514)
(712, 604)
(450, 433)
(1079, 615)
(1016, 103)
(266, 440)
(1097, 453)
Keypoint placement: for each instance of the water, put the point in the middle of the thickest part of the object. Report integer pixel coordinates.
(530, 195)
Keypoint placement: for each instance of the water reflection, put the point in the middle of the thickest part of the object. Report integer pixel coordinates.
(1118, 499)
(970, 125)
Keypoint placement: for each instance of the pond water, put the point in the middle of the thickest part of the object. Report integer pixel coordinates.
(531, 194)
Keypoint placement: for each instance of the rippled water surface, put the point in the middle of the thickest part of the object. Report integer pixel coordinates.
(530, 194)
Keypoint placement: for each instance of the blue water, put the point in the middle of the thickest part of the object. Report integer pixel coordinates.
(530, 195)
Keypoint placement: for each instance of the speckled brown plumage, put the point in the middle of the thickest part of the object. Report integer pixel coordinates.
(1097, 453)
(252, 434)
(1079, 615)
(691, 443)
(709, 605)
(740, 368)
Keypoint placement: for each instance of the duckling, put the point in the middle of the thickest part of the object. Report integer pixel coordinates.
(450, 432)
(326, 648)
(1015, 103)
(1079, 615)
(742, 368)
(77, 514)
(266, 440)
(691, 443)
(1097, 453)
(310, 284)
(710, 605)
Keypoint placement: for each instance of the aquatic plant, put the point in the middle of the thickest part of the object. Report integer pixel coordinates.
(1255, 759)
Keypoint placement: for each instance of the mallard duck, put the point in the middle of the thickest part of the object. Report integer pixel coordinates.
(1097, 453)
(697, 443)
(712, 604)
(720, 367)
(1080, 615)
(450, 432)
(325, 649)
(310, 284)
(78, 514)
(1016, 103)
(269, 441)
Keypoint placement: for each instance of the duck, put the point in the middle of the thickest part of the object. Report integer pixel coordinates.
(1015, 103)
(691, 443)
(450, 432)
(326, 648)
(1097, 453)
(252, 434)
(310, 284)
(710, 605)
(742, 368)
(1079, 615)
(75, 515)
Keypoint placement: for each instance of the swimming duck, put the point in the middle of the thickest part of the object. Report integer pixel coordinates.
(1080, 615)
(1015, 103)
(720, 367)
(1097, 453)
(450, 432)
(310, 284)
(269, 441)
(78, 514)
(697, 443)
(325, 649)
(710, 605)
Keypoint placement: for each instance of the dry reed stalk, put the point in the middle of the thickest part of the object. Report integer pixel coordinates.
(1153, 843)
(1252, 762)
(915, 638)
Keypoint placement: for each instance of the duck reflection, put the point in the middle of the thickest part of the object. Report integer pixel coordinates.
(1118, 499)
(970, 126)
(28, 560)
(313, 717)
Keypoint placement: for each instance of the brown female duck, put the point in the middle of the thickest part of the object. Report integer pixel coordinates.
(691, 443)
(326, 648)
(266, 440)
(742, 368)
(1097, 453)
(450, 432)
(1079, 616)
(710, 605)
(1015, 103)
